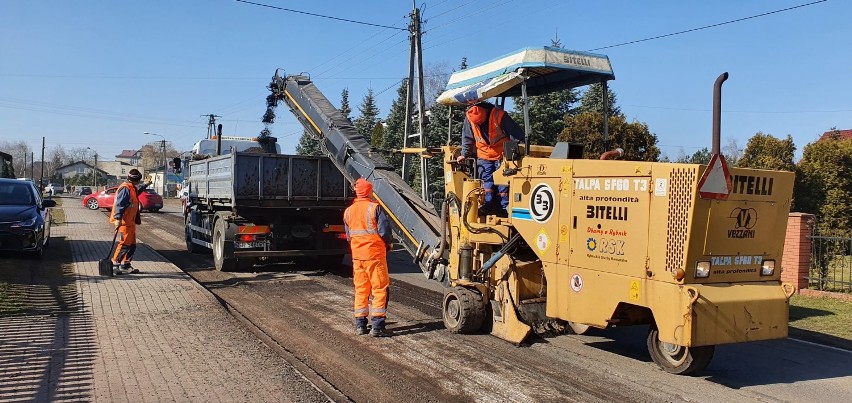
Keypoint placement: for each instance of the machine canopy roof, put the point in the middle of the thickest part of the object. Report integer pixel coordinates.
(547, 69)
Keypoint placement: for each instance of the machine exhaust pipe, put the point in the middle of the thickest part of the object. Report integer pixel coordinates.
(717, 111)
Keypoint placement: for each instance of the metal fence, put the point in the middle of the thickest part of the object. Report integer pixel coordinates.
(831, 264)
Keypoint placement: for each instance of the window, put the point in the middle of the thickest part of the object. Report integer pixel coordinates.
(122, 171)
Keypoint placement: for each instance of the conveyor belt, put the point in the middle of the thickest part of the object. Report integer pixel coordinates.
(416, 224)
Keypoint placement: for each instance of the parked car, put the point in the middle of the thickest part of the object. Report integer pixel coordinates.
(49, 190)
(149, 199)
(85, 190)
(24, 217)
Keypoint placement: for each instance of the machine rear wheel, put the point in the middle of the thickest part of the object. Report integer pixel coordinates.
(675, 359)
(220, 259)
(578, 328)
(463, 310)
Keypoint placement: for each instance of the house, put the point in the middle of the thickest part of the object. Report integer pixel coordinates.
(131, 157)
(118, 169)
(78, 168)
(842, 134)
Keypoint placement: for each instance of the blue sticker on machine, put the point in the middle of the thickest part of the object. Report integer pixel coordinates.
(521, 214)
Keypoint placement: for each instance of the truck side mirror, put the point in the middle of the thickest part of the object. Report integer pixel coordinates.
(510, 150)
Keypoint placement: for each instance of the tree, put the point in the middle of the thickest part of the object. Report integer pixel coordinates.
(435, 81)
(366, 122)
(638, 143)
(732, 152)
(21, 155)
(395, 127)
(592, 101)
(344, 103)
(764, 151)
(78, 154)
(377, 141)
(57, 158)
(824, 185)
(701, 156)
(308, 145)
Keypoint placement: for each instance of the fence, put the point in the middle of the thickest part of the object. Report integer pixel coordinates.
(831, 264)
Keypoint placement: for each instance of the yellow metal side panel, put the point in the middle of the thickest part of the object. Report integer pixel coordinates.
(733, 313)
(609, 220)
(584, 295)
(673, 196)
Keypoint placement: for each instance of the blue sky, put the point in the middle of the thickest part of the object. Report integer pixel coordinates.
(100, 73)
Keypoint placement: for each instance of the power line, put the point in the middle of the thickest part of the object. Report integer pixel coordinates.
(709, 26)
(738, 111)
(322, 16)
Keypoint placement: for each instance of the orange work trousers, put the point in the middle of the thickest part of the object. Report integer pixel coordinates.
(126, 244)
(371, 279)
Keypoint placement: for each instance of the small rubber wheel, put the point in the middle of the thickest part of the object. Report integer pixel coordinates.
(463, 310)
(675, 359)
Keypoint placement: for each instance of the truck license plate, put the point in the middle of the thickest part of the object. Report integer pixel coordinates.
(255, 244)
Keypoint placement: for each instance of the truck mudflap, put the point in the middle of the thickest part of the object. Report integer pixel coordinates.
(722, 313)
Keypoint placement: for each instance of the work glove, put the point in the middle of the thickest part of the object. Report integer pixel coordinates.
(117, 223)
(148, 182)
(460, 159)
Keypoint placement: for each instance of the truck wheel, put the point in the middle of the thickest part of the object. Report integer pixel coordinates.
(463, 310)
(221, 247)
(675, 359)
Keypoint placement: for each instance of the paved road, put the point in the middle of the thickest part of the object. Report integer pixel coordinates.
(307, 313)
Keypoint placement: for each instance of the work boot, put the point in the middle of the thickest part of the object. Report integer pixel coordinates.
(117, 270)
(380, 332)
(361, 326)
(128, 268)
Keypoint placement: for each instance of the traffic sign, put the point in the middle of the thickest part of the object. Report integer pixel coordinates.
(716, 181)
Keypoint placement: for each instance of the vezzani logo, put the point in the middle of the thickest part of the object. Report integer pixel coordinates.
(744, 221)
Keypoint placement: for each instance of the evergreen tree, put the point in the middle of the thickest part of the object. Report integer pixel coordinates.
(378, 138)
(592, 101)
(344, 103)
(308, 145)
(764, 151)
(395, 126)
(366, 122)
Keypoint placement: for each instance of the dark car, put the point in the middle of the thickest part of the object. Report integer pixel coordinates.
(85, 190)
(24, 217)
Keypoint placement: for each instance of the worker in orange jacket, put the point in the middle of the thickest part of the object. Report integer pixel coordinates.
(125, 216)
(486, 128)
(369, 235)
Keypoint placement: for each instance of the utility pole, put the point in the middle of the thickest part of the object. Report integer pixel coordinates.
(32, 165)
(164, 168)
(25, 164)
(211, 125)
(95, 172)
(416, 49)
(41, 177)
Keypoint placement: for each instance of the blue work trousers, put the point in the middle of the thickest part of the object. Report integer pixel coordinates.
(486, 169)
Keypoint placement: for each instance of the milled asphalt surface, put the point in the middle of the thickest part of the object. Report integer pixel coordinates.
(153, 336)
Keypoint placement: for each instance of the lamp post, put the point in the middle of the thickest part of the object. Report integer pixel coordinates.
(94, 170)
(163, 186)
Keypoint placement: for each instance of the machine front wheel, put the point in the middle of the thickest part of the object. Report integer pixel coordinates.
(675, 359)
(463, 310)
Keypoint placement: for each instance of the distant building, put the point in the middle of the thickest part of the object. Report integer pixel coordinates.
(842, 134)
(130, 157)
(78, 168)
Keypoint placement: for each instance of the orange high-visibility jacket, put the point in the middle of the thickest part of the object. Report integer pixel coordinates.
(128, 213)
(362, 228)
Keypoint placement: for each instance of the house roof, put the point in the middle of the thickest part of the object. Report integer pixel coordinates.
(62, 168)
(127, 154)
(843, 134)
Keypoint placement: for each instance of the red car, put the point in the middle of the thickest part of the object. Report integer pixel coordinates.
(149, 199)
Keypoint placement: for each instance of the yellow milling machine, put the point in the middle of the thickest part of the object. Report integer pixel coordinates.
(601, 243)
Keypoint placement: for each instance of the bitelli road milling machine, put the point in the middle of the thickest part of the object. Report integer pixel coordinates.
(692, 250)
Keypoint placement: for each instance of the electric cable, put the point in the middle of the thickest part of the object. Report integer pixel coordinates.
(320, 15)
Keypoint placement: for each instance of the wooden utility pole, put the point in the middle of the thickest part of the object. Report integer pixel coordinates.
(415, 50)
(406, 133)
(211, 125)
(41, 177)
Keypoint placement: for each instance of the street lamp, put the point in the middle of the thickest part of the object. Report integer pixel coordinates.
(163, 186)
(94, 171)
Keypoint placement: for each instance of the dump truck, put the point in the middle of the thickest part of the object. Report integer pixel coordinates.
(259, 207)
(692, 251)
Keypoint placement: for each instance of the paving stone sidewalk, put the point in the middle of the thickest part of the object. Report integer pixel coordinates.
(153, 336)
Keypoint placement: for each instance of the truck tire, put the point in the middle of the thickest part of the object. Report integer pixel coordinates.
(679, 360)
(222, 248)
(463, 310)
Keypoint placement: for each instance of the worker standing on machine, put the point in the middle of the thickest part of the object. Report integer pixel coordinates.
(369, 235)
(487, 127)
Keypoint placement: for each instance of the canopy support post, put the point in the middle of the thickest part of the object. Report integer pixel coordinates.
(526, 116)
(605, 116)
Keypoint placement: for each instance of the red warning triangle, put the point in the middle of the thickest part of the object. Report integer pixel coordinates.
(716, 181)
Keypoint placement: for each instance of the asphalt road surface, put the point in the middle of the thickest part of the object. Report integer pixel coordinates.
(305, 312)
